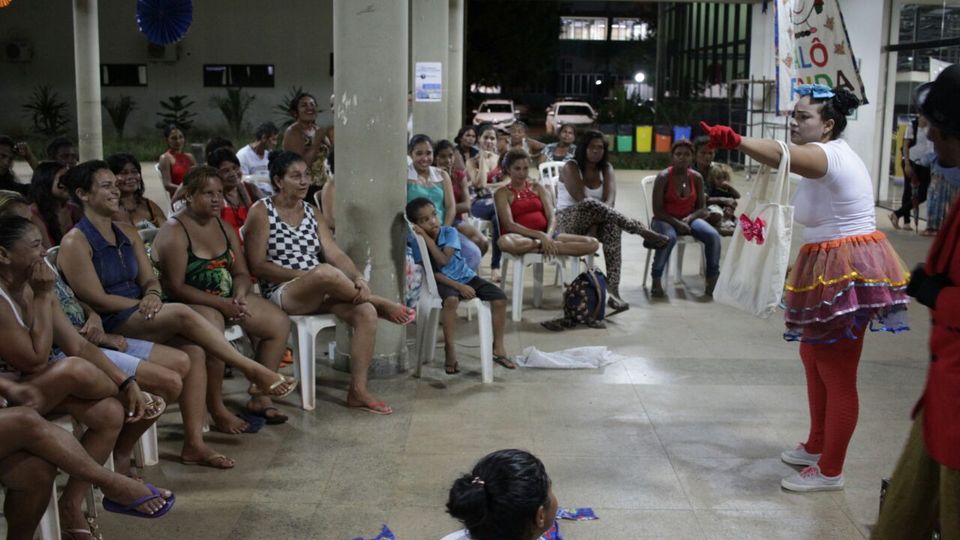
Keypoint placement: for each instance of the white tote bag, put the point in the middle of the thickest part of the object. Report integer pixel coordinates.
(754, 268)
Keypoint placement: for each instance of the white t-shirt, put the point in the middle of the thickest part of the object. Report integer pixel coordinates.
(251, 163)
(566, 200)
(840, 203)
(922, 149)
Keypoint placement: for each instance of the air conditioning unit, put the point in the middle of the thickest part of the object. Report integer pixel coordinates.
(17, 51)
(163, 53)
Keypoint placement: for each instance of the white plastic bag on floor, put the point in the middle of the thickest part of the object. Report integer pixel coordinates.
(576, 358)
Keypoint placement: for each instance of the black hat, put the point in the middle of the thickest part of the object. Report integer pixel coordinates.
(938, 99)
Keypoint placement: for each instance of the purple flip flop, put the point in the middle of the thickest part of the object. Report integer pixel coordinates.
(131, 509)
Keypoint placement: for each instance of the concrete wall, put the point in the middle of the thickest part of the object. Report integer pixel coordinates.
(297, 37)
(866, 24)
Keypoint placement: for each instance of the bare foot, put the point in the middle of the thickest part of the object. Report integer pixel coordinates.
(226, 422)
(392, 311)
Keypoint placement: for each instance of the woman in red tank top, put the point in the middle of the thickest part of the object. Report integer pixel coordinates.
(525, 211)
(679, 206)
(174, 163)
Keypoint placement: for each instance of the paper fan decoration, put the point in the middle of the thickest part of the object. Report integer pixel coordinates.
(163, 21)
(5, 3)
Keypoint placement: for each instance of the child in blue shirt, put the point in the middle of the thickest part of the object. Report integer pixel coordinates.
(455, 280)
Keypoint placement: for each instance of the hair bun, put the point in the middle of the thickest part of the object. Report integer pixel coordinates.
(845, 101)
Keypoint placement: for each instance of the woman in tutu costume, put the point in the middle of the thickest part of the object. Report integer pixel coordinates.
(847, 276)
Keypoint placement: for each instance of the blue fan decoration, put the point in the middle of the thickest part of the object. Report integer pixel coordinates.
(164, 21)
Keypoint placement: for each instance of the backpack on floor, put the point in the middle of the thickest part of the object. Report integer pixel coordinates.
(585, 298)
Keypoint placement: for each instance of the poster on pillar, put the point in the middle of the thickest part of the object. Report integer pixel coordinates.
(428, 82)
(812, 47)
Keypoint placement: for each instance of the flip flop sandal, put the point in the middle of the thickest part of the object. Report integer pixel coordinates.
(504, 361)
(254, 424)
(131, 509)
(278, 418)
(379, 407)
(281, 380)
(155, 406)
(214, 461)
(79, 534)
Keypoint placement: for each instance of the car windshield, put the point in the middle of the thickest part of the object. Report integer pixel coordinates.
(496, 108)
(574, 110)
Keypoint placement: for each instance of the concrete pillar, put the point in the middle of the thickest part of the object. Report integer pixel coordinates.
(370, 82)
(429, 26)
(86, 47)
(455, 82)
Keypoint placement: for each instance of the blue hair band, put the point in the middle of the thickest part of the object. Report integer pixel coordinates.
(817, 91)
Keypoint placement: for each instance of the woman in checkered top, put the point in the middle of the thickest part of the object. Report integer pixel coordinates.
(295, 257)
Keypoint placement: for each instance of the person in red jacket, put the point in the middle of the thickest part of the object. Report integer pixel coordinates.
(926, 483)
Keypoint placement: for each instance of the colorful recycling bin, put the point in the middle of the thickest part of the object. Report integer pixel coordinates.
(624, 143)
(644, 139)
(682, 132)
(661, 142)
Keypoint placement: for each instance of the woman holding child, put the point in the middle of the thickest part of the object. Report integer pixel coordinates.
(303, 271)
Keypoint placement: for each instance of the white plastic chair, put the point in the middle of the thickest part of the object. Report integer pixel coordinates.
(647, 194)
(428, 318)
(303, 342)
(550, 176)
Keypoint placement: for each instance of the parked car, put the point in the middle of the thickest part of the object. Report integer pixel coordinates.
(499, 112)
(577, 113)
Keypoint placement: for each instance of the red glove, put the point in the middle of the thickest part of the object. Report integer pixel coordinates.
(721, 137)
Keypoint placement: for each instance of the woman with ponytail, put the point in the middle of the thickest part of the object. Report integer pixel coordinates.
(507, 496)
(847, 275)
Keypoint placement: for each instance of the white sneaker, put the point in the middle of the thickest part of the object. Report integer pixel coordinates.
(799, 456)
(810, 479)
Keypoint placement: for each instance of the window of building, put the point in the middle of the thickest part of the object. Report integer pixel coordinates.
(629, 30)
(583, 28)
(123, 74)
(248, 75)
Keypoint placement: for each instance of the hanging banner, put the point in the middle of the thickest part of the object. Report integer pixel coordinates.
(812, 47)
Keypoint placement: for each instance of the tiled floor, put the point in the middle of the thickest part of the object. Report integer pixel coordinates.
(679, 440)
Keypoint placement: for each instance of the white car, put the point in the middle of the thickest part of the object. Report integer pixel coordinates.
(576, 113)
(499, 112)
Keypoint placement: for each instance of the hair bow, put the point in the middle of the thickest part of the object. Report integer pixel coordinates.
(752, 229)
(818, 91)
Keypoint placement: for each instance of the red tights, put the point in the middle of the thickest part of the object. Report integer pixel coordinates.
(832, 394)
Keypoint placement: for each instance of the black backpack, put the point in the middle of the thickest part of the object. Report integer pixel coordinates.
(584, 302)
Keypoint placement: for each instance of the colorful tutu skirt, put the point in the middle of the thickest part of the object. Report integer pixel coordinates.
(840, 286)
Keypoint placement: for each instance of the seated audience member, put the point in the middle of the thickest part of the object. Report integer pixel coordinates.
(63, 150)
(456, 280)
(285, 246)
(135, 209)
(174, 162)
(51, 209)
(201, 264)
(32, 451)
(483, 175)
(525, 210)
(238, 196)
(216, 143)
(31, 323)
(444, 155)
(107, 266)
(679, 208)
(253, 157)
(432, 183)
(519, 141)
(8, 180)
(507, 496)
(721, 199)
(564, 149)
(466, 146)
(162, 375)
(306, 138)
(586, 196)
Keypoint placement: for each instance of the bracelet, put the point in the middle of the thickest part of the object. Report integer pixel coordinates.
(126, 382)
(154, 291)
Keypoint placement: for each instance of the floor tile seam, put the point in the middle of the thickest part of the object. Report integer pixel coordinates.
(845, 509)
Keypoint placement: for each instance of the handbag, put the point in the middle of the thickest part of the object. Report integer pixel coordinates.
(754, 268)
